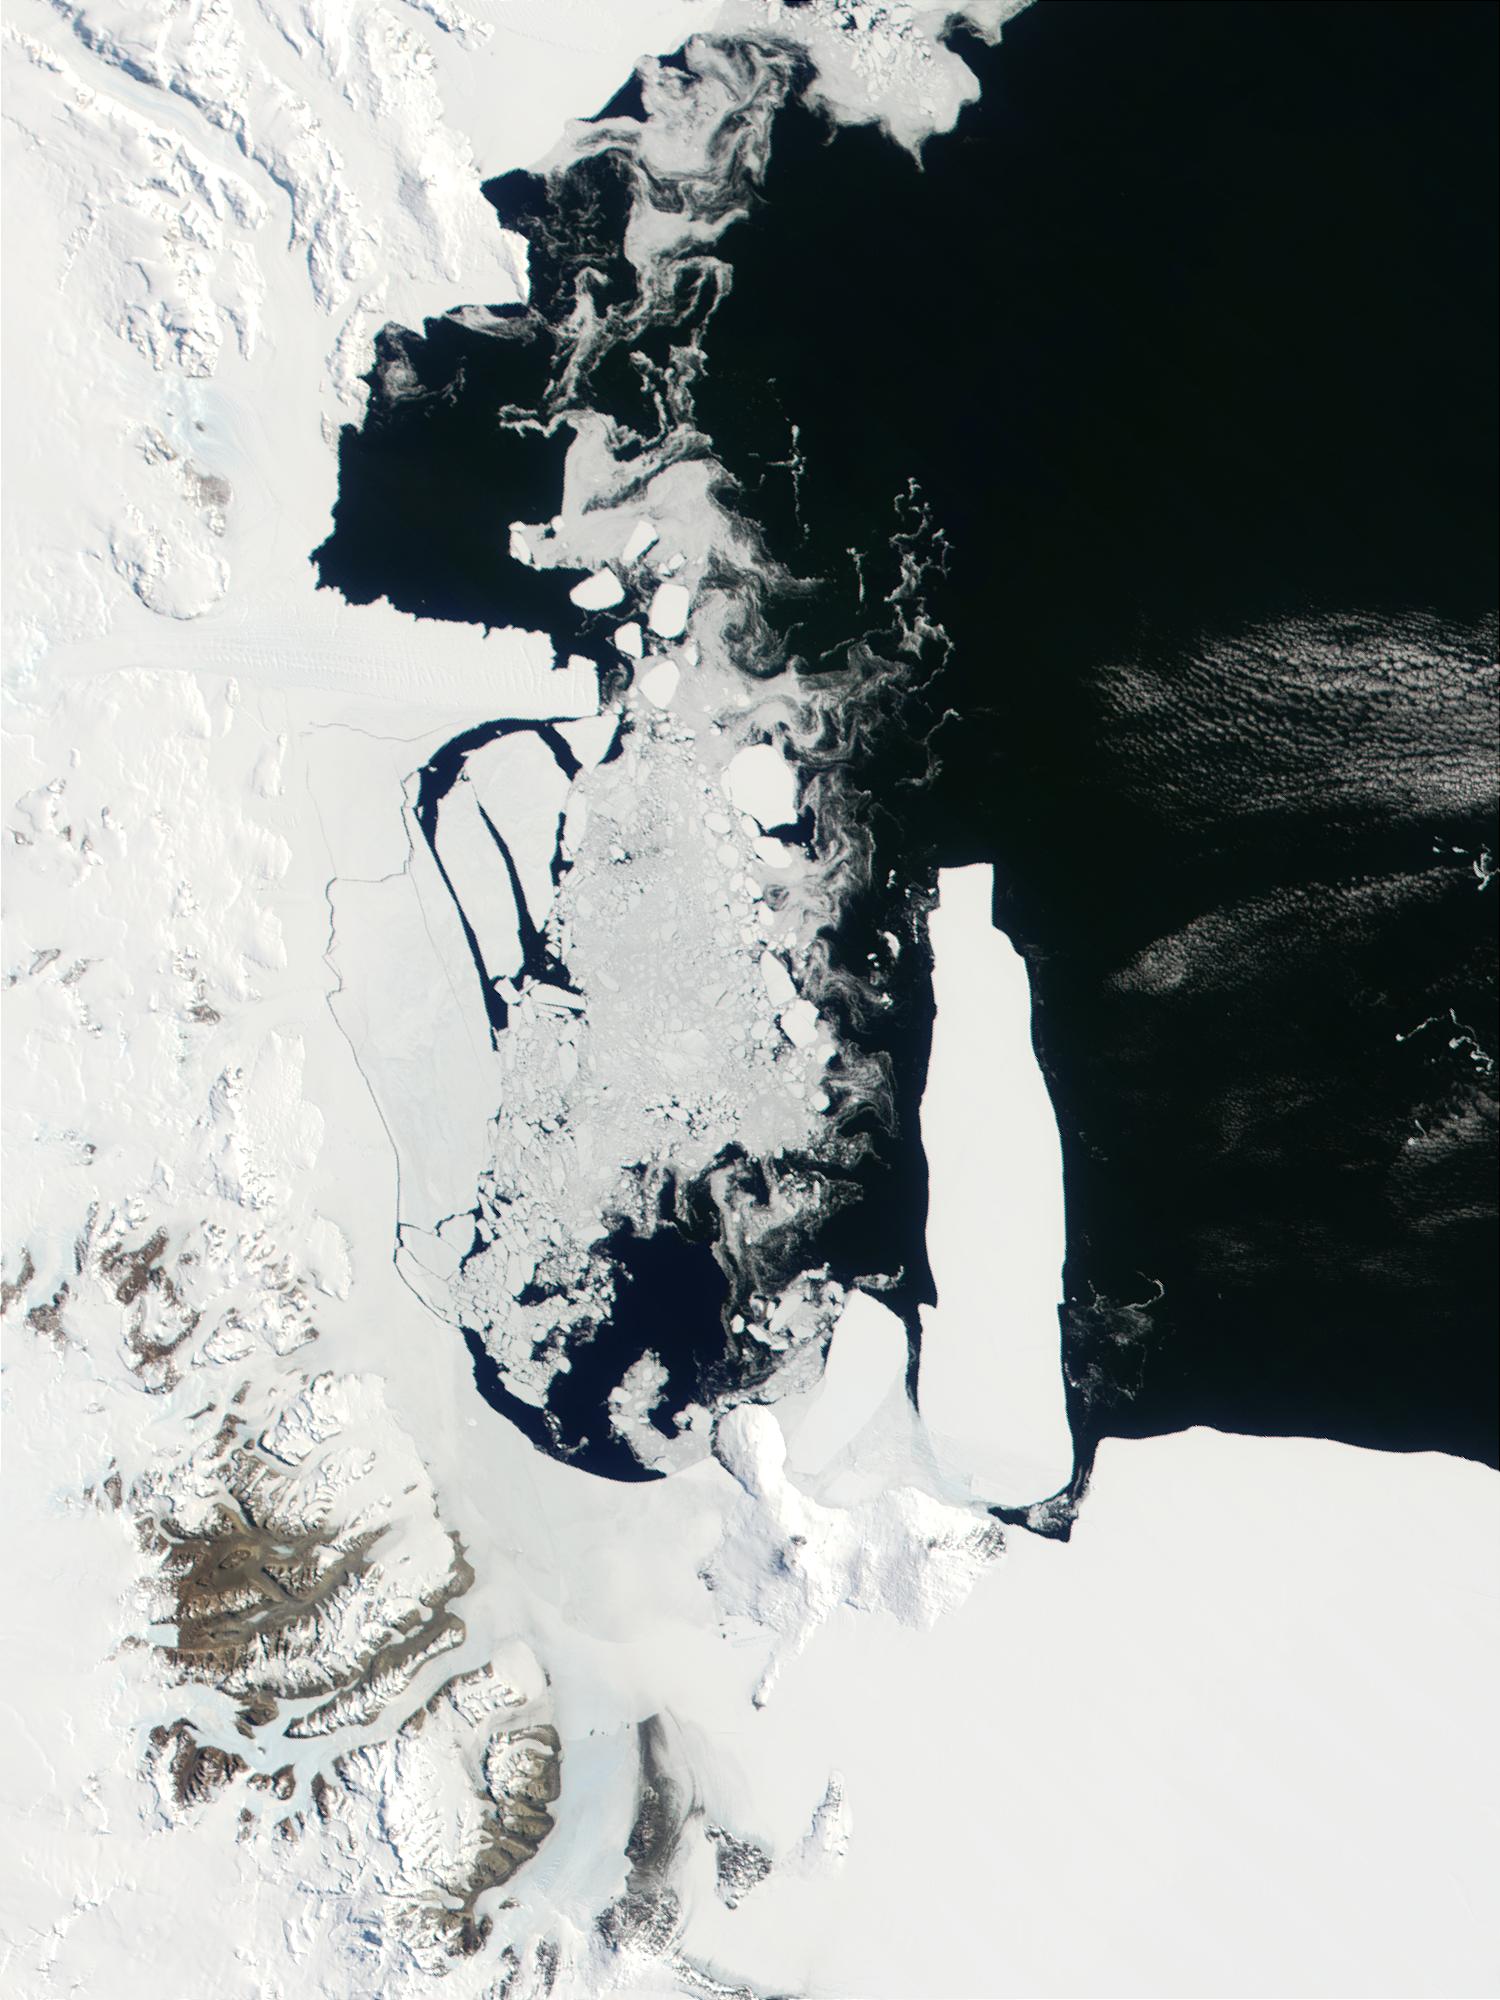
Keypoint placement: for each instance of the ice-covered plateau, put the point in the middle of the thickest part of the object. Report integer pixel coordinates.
(367, 973)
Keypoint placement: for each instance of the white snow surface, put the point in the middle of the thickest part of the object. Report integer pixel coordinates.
(1235, 1737)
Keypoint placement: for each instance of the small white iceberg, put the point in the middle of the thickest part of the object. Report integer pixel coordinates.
(598, 592)
(660, 684)
(669, 610)
(760, 782)
(642, 541)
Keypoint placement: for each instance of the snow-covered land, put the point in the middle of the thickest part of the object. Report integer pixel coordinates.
(319, 1676)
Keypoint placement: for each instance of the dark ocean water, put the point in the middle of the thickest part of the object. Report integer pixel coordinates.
(430, 482)
(1187, 334)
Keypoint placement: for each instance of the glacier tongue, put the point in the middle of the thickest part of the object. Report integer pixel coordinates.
(991, 1384)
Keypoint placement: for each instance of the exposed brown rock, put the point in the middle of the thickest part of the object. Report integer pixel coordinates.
(199, 1771)
(131, 1271)
(522, 1777)
(47, 1319)
(648, 1920)
(256, 1714)
(9, 1293)
(524, 1771)
(281, 1784)
(739, 1866)
(250, 1597)
(158, 1318)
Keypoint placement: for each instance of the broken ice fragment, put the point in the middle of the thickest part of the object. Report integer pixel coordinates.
(522, 789)
(669, 611)
(562, 997)
(477, 877)
(590, 736)
(777, 980)
(760, 782)
(774, 853)
(660, 684)
(628, 639)
(642, 539)
(575, 823)
(598, 592)
(799, 1023)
